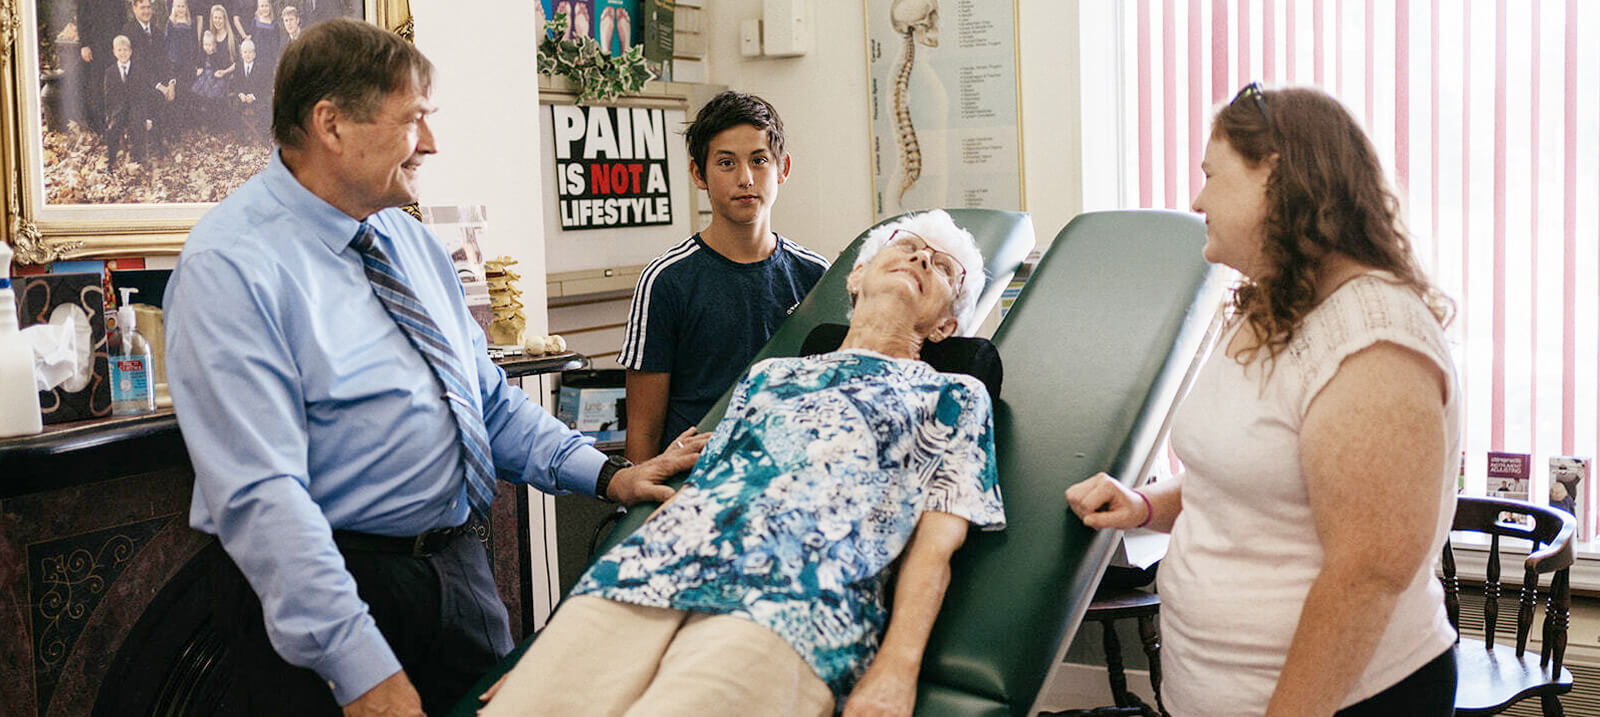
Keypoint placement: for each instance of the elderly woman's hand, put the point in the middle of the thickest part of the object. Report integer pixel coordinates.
(643, 482)
(1103, 502)
(885, 690)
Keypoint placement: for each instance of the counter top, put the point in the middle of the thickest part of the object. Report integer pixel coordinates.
(81, 452)
(63, 438)
(519, 366)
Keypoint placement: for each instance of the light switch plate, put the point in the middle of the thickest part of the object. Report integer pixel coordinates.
(750, 38)
(786, 27)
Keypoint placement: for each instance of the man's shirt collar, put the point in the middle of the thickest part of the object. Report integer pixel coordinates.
(333, 227)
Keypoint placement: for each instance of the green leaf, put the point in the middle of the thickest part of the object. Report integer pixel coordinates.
(596, 76)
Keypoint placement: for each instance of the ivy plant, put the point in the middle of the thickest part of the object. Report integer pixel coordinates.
(597, 76)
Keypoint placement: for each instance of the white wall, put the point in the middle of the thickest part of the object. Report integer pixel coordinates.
(822, 97)
(489, 153)
(1051, 131)
(486, 128)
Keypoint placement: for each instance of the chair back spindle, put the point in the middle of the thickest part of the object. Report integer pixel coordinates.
(1491, 591)
(1553, 643)
(1452, 588)
(1529, 596)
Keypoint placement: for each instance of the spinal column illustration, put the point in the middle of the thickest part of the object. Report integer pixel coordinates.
(918, 22)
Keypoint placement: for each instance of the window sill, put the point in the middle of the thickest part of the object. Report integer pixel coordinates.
(1472, 557)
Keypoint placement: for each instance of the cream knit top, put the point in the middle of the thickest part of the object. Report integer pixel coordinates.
(1244, 551)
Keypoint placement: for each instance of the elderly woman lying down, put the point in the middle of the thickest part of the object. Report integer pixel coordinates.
(759, 588)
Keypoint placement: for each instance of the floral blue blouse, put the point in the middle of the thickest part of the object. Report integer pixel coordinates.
(807, 492)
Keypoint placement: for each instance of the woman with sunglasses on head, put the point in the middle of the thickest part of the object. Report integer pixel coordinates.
(1320, 442)
(760, 588)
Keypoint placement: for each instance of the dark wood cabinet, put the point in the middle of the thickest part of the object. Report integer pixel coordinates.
(102, 605)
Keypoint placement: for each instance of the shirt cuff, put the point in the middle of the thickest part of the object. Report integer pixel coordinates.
(581, 470)
(357, 666)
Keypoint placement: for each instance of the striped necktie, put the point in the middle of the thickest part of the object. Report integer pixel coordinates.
(390, 286)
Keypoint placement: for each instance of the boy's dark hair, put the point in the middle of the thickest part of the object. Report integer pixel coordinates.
(731, 108)
(352, 63)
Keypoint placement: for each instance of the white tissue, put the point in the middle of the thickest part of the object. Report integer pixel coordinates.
(62, 349)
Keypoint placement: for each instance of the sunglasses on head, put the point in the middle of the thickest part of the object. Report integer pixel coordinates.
(1255, 92)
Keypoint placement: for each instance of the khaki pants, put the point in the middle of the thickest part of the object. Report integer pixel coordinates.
(600, 657)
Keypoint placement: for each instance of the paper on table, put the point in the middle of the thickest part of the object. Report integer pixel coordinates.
(1141, 548)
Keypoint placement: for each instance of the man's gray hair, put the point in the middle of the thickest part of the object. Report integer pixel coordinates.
(940, 230)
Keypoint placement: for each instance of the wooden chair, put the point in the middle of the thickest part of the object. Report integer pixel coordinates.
(1113, 603)
(1491, 676)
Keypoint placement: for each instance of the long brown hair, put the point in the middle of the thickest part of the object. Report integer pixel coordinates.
(1326, 194)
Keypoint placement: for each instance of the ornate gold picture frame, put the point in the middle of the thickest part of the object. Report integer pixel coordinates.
(41, 232)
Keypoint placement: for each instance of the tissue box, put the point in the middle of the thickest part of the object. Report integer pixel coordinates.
(38, 298)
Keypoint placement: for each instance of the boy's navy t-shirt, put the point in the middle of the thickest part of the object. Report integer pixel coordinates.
(701, 317)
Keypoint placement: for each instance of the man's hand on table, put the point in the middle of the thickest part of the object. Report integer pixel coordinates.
(643, 482)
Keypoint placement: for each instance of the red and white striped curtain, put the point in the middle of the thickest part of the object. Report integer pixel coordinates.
(1486, 114)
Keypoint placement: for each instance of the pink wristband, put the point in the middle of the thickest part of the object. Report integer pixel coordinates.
(1149, 510)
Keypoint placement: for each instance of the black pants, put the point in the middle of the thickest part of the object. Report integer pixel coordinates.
(440, 614)
(1428, 692)
(129, 127)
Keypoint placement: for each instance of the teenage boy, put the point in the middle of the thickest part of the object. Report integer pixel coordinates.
(702, 309)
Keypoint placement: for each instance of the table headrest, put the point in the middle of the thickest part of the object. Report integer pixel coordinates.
(975, 357)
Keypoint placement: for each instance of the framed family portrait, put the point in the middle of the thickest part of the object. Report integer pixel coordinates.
(122, 121)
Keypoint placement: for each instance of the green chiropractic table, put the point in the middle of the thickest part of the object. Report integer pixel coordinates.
(1096, 346)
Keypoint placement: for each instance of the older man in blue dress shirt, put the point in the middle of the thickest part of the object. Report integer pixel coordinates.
(332, 458)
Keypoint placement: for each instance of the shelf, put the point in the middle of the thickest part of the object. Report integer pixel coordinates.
(1471, 557)
(560, 90)
(587, 282)
(84, 452)
(519, 366)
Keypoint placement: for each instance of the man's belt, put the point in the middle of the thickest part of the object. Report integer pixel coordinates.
(419, 546)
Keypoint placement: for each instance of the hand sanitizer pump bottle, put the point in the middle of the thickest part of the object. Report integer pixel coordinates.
(131, 367)
(19, 397)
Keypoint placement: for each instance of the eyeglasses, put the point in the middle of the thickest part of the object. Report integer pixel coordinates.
(944, 263)
(1255, 92)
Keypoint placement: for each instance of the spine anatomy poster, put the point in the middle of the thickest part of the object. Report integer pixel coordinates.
(945, 126)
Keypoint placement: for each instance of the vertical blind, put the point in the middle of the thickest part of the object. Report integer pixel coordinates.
(1486, 114)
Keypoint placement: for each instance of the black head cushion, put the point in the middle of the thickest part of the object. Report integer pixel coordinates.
(972, 356)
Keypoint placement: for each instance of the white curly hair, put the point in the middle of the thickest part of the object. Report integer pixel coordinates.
(940, 230)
